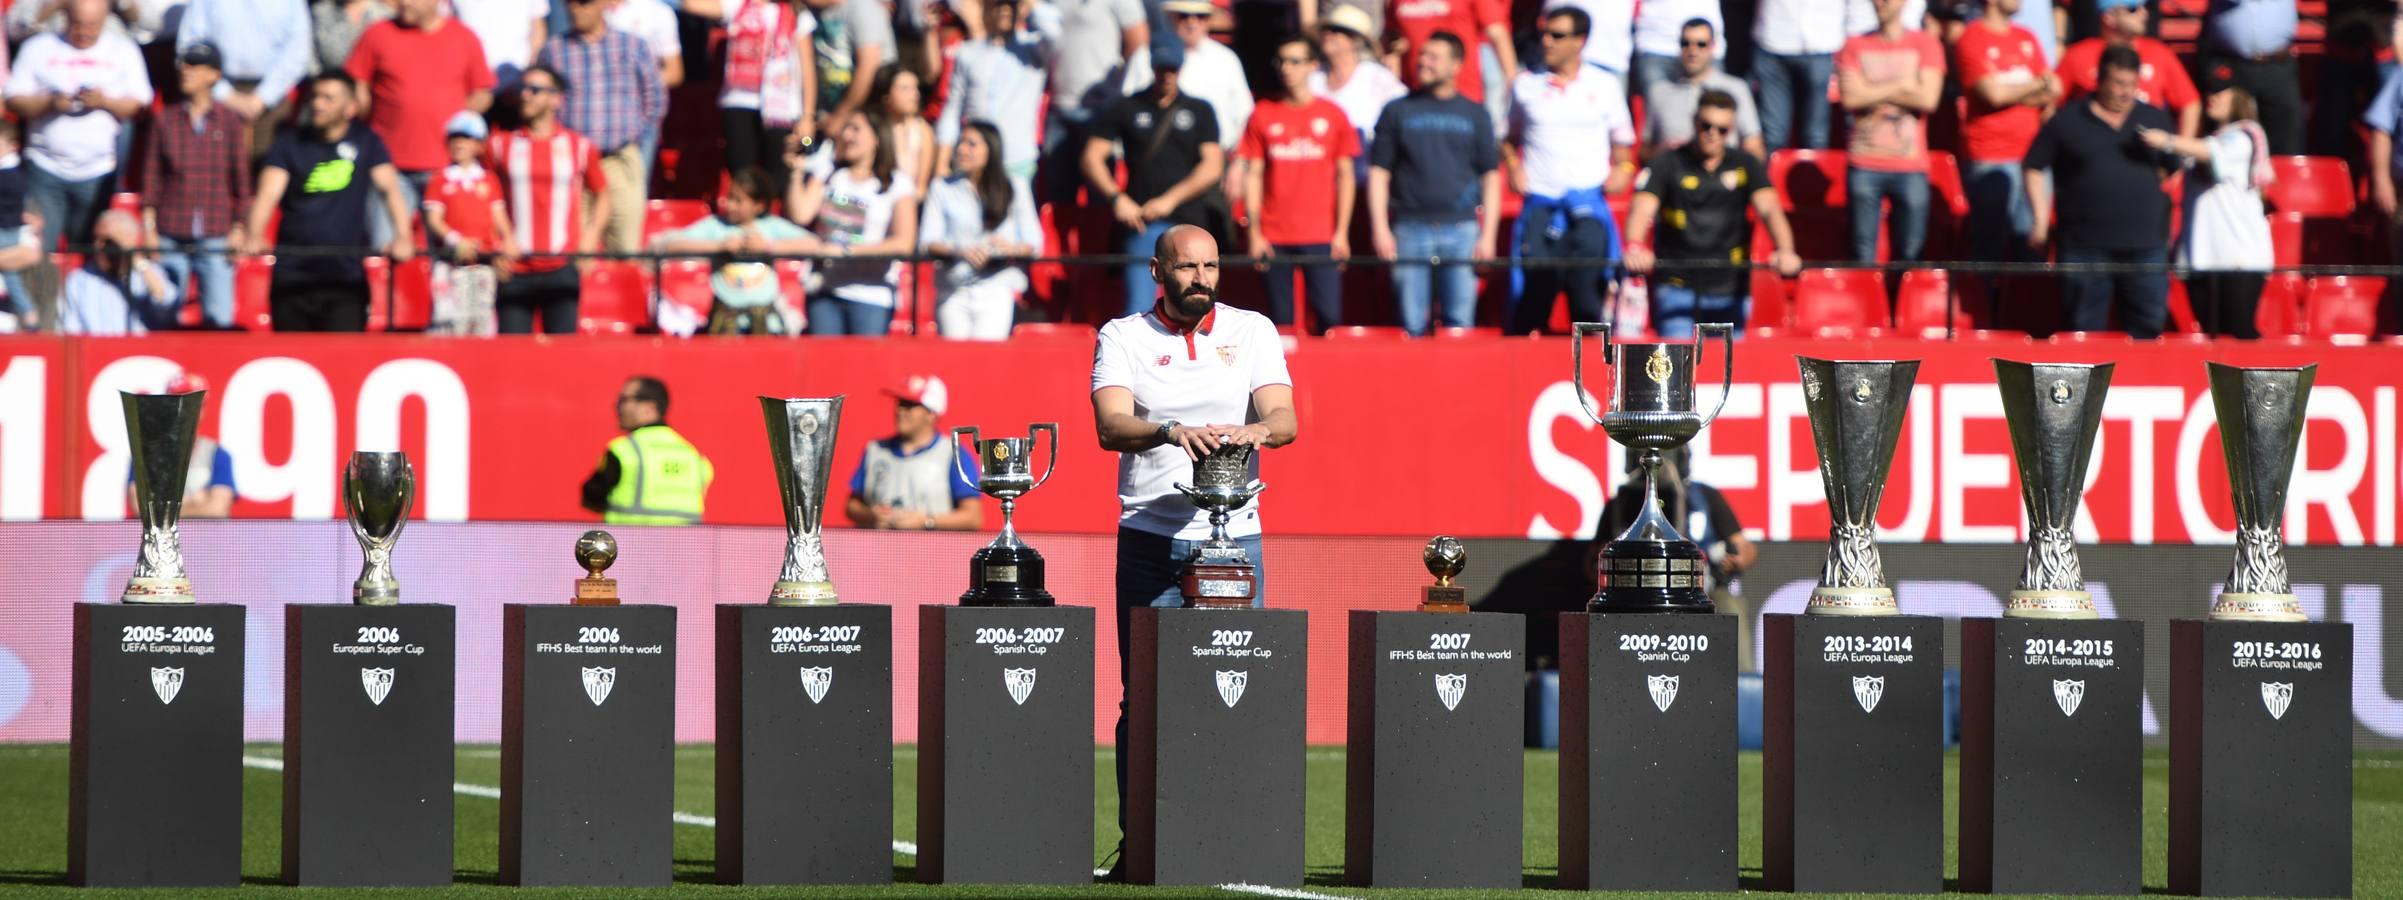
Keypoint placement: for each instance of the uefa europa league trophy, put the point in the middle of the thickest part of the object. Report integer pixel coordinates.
(378, 489)
(2053, 410)
(2260, 422)
(1856, 409)
(1445, 556)
(595, 550)
(801, 443)
(1651, 567)
(1220, 575)
(159, 428)
(1007, 572)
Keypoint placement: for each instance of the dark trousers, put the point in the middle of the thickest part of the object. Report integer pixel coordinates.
(1151, 572)
(2277, 90)
(750, 142)
(1585, 238)
(2225, 303)
(2141, 298)
(1321, 280)
(552, 295)
(303, 305)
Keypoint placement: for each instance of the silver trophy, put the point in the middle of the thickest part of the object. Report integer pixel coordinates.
(1651, 567)
(160, 429)
(1007, 572)
(2054, 411)
(1856, 410)
(1220, 575)
(2260, 425)
(378, 489)
(801, 444)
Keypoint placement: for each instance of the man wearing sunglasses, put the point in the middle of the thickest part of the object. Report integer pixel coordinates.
(1672, 101)
(1698, 194)
(1560, 120)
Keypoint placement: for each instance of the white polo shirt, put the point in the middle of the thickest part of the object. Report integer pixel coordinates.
(1565, 129)
(1202, 377)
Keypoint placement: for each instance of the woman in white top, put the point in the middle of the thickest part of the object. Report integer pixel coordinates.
(979, 217)
(859, 205)
(898, 90)
(2226, 240)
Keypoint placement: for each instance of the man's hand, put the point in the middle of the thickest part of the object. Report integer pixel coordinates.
(1157, 209)
(906, 521)
(1788, 262)
(1260, 250)
(1485, 245)
(465, 252)
(1639, 260)
(401, 248)
(1621, 178)
(1340, 248)
(1381, 238)
(246, 104)
(1196, 442)
(976, 255)
(1127, 212)
(2040, 235)
(2382, 192)
(1254, 434)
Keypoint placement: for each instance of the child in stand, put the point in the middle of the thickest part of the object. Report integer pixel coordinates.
(749, 298)
(469, 226)
(12, 223)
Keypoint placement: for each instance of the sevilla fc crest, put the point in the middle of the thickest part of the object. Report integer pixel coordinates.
(378, 683)
(170, 681)
(1021, 682)
(1448, 688)
(1868, 689)
(1231, 685)
(2069, 692)
(2275, 697)
(597, 682)
(815, 681)
(1663, 688)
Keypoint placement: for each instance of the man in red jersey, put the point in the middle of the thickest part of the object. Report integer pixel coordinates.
(2162, 81)
(558, 203)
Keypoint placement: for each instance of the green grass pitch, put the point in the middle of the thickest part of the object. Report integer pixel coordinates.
(33, 845)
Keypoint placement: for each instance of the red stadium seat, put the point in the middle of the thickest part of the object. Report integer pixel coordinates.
(413, 295)
(1944, 184)
(2286, 238)
(1827, 301)
(251, 277)
(126, 202)
(1477, 332)
(2343, 306)
(1053, 329)
(379, 294)
(2181, 310)
(669, 215)
(1926, 306)
(1368, 333)
(615, 300)
(2316, 186)
(1808, 179)
(2281, 311)
(685, 284)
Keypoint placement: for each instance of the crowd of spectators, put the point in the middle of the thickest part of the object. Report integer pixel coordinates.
(511, 140)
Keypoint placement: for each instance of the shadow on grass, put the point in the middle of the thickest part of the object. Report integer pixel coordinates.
(1324, 876)
(905, 874)
(32, 877)
(468, 876)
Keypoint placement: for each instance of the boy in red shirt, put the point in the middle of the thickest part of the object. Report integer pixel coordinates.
(2162, 82)
(2008, 87)
(1298, 185)
(469, 225)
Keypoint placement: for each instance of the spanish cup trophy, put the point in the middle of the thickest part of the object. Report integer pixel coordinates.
(2260, 423)
(1220, 576)
(2053, 411)
(801, 443)
(595, 550)
(378, 489)
(1007, 572)
(1651, 567)
(1445, 556)
(159, 428)
(1856, 409)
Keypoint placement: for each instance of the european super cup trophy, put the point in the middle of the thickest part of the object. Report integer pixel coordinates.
(378, 489)
(1007, 572)
(1220, 576)
(1651, 567)
(2053, 410)
(1445, 556)
(801, 443)
(2260, 424)
(1856, 409)
(159, 428)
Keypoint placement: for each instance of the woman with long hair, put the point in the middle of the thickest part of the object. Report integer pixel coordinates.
(856, 201)
(979, 217)
(902, 95)
(2226, 241)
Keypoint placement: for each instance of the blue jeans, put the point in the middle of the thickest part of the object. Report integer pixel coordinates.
(1058, 174)
(1140, 290)
(1151, 572)
(1789, 84)
(19, 301)
(835, 316)
(379, 223)
(1999, 215)
(1675, 309)
(68, 207)
(1866, 193)
(1454, 280)
(2141, 298)
(1321, 280)
(182, 256)
(1585, 238)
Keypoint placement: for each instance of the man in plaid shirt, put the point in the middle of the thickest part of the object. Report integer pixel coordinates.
(614, 96)
(195, 179)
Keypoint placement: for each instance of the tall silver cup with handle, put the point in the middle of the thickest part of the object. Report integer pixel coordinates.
(1007, 572)
(1652, 567)
(377, 490)
(1220, 575)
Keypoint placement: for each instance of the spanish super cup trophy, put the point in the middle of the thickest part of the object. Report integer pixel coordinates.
(1651, 567)
(1856, 409)
(159, 428)
(1007, 572)
(2260, 424)
(378, 489)
(801, 443)
(2053, 411)
(1220, 576)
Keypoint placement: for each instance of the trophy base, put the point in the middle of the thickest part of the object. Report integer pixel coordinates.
(375, 595)
(1436, 598)
(1832, 601)
(1006, 576)
(593, 591)
(160, 591)
(1219, 586)
(803, 593)
(1651, 577)
(2257, 608)
(2050, 605)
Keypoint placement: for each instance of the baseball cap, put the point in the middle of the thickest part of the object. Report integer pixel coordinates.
(2216, 77)
(2108, 5)
(186, 382)
(1167, 53)
(1188, 7)
(465, 124)
(925, 390)
(1349, 18)
(202, 54)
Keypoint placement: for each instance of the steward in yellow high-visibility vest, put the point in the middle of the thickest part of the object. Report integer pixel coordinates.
(650, 475)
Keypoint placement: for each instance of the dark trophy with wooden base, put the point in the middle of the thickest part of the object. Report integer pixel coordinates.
(1007, 572)
(1220, 574)
(1651, 567)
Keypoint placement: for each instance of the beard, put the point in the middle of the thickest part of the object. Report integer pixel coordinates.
(1196, 301)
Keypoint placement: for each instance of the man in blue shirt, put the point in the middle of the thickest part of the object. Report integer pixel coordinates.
(914, 479)
(2248, 43)
(265, 47)
(1434, 189)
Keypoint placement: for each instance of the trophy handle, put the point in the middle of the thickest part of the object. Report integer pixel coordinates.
(971, 446)
(1051, 432)
(1577, 361)
(1726, 335)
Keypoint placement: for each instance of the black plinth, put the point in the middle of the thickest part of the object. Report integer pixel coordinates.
(2052, 756)
(1852, 793)
(368, 762)
(805, 744)
(1651, 576)
(1435, 776)
(155, 746)
(1006, 576)
(2260, 758)
(588, 724)
(1215, 752)
(1005, 745)
(1648, 752)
